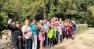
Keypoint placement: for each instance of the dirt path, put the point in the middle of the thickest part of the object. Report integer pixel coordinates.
(84, 40)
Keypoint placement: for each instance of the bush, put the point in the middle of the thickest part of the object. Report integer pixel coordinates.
(90, 23)
(81, 27)
(3, 23)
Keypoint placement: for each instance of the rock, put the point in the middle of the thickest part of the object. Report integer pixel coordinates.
(5, 41)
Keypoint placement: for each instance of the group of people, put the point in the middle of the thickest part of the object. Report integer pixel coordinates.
(44, 33)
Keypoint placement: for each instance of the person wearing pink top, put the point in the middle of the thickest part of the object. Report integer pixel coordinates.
(41, 35)
(41, 39)
(59, 29)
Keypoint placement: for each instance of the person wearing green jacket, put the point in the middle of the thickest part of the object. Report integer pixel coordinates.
(51, 36)
(54, 35)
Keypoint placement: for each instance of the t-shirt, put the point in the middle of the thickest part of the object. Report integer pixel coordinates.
(59, 29)
(26, 31)
(34, 29)
(52, 32)
(46, 26)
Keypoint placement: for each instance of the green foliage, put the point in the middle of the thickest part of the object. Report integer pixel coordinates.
(23, 8)
(52, 8)
(20, 9)
(91, 9)
(3, 21)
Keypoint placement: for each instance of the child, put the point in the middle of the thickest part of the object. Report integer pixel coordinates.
(50, 37)
(70, 30)
(53, 35)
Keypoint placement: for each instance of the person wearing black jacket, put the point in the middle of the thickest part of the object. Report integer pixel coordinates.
(17, 36)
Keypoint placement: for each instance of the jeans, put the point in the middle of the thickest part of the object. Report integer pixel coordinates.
(34, 42)
(50, 42)
(46, 39)
(27, 43)
(15, 43)
(57, 38)
(60, 38)
(21, 43)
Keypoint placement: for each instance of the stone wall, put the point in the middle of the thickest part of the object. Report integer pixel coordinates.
(81, 28)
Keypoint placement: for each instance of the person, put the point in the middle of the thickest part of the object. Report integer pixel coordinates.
(17, 36)
(27, 33)
(53, 34)
(41, 38)
(52, 21)
(46, 26)
(65, 34)
(70, 30)
(74, 27)
(57, 33)
(34, 34)
(50, 37)
(59, 29)
(11, 25)
(38, 29)
(62, 28)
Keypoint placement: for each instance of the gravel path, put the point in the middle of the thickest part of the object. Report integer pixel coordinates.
(84, 40)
